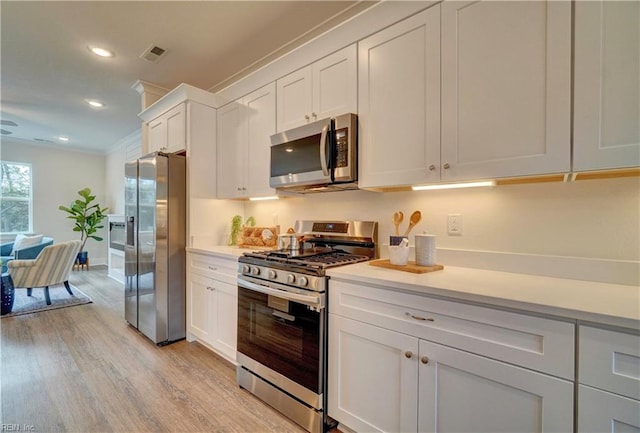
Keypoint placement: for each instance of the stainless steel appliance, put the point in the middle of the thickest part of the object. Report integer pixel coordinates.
(282, 316)
(155, 202)
(320, 156)
(117, 232)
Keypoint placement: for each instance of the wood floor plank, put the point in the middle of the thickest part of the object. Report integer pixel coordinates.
(84, 369)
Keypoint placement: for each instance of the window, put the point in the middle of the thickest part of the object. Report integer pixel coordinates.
(16, 201)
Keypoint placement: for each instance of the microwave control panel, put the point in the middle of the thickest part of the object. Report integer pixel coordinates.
(342, 147)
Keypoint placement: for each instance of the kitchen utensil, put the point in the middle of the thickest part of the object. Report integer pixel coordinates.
(398, 217)
(399, 254)
(290, 241)
(413, 220)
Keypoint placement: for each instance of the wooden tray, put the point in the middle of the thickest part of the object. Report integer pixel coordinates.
(410, 267)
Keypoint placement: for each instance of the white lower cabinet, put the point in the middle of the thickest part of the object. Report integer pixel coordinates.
(609, 378)
(408, 363)
(212, 306)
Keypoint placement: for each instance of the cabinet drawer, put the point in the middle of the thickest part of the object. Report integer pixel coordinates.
(540, 344)
(610, 360)
(214, 267)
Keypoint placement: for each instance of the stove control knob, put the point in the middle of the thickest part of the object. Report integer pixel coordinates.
(272, 275)
(246, 269)
(255, 271)
(303, 281)
(291, 278)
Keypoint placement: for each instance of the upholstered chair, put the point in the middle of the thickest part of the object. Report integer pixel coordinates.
(52, 266)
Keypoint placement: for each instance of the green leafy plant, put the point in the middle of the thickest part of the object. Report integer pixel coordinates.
(251, 222)
(87, 216)
(236, 226)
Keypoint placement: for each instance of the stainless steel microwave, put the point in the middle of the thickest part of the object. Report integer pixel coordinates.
(319, 156)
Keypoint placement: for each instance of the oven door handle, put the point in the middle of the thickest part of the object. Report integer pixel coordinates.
(314, 301)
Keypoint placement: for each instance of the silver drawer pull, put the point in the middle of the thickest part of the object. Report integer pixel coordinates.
(213, 268)
(428, 319)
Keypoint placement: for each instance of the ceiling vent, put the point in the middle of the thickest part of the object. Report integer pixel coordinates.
(153, 54)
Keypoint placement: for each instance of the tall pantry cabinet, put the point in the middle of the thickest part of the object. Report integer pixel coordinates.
(497, 105)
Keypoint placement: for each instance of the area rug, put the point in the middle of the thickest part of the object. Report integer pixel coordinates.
(60, 298)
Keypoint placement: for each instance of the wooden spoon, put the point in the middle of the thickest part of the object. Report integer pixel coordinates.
(398, 217)
(413, 220)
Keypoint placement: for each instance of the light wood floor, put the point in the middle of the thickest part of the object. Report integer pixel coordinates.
(83, 369)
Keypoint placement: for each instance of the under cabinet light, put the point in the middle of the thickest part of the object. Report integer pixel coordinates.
(453, 185)
(271, 197)
(94, 103)
(63, 138)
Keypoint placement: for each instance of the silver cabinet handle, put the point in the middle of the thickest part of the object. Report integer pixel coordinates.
(432, 167)
(428, 319)
(306, 116)
(446, 166)
(213, 268)
(211, 288)
(314, 115)
(424, 360)
(408, 354)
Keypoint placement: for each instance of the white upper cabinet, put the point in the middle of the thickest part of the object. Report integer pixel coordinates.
(607, 85)
(466, 90)
(244, 142)
(325, 88)
(506, 88)
(399, 103)
(167, 133)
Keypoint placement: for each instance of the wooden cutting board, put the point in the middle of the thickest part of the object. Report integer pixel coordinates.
(410, 267)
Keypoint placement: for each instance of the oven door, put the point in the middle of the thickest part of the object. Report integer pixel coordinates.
(281, 337)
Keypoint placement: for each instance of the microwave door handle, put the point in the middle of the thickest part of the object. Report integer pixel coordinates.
(333, 151)
(323, 150)
(289, 296)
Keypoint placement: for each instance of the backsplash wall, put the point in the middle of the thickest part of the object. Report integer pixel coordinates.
(590, 219)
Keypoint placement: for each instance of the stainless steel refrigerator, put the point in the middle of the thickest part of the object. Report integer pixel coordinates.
(155, 203)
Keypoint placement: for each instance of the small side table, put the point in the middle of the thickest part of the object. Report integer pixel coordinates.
(8, 294)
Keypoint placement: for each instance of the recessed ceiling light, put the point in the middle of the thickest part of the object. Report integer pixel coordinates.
(94, 103)
(63, 138)
(102, 52)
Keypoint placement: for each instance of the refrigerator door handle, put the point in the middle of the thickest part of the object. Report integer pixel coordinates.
(131, 231)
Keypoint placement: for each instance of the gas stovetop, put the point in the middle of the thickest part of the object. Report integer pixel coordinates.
(325, 244)
(318, 257)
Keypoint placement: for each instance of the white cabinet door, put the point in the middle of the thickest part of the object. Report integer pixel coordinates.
(225, 318)
(199, 290)
(600, 411)
(326, 88)
(294, 99)
(231, 147)
(176, 129)
(506, 83)
(373, 383)
(260, 109)
(335, 84)
(157, 135)
(462, 392)
(167, 133)
(607, 88)
(399, 103)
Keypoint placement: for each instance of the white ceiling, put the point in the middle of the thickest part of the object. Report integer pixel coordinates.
(48, 71)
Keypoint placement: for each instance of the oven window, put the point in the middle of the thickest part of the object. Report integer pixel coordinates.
(285, 341)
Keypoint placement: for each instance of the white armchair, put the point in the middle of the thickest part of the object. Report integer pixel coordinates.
(52, 266)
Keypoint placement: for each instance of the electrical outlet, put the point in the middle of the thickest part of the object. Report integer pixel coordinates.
(454, 224)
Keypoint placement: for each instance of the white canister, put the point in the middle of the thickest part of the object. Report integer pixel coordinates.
(425, 250)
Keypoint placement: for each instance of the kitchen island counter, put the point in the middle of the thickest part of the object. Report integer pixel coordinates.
(599, 303)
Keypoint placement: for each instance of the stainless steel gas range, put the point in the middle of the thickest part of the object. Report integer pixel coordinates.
(282, 316)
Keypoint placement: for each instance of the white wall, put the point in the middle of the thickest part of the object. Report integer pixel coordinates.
(124, 150)
(58, 175)
(590, 218)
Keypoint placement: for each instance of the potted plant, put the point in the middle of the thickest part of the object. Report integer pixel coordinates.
(88, 217)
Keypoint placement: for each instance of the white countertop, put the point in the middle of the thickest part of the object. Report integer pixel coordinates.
(601, 303)
(608, 304)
